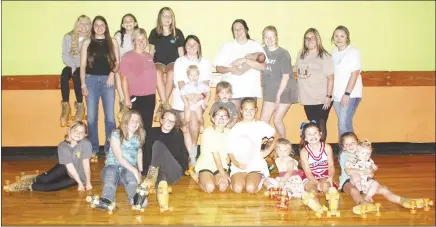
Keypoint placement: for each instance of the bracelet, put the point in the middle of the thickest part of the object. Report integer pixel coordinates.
(329, 96)
(347, 93)
(83, 86)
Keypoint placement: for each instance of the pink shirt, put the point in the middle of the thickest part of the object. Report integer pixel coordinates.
(140, 72)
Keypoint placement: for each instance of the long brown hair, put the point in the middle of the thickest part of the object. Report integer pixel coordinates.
(94, 45)
(74, 50)
(320, 47)
(124, 126)
(159, 26)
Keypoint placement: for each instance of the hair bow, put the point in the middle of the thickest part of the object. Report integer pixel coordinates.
(303, 124)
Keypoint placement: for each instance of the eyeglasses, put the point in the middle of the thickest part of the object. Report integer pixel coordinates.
(310, 39)
(166, 120)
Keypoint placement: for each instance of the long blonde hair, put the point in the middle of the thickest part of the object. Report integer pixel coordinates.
(124, 126)
(272, 29)
(320, 47)
(75, 125)
(74, 50)
(159, 26)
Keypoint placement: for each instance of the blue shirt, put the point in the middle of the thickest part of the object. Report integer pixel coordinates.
(129, 149)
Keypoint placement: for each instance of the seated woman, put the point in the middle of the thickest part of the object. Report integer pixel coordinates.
(73, 167)
(124, 159)
(212, 167)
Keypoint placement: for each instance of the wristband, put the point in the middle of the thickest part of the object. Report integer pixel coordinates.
(83, 86)
(347, 93)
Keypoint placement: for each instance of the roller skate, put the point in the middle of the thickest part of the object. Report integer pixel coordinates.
(366, 207)
(310, 200)
(271, 192)
(29, 177)
(101, 203)
(191, 172)
(17, 186)
(144, 189)
(66, 114)
(283, 200)
(80, 111)
(163, 197)
(332, 196)
(414, 204)
(94, 158)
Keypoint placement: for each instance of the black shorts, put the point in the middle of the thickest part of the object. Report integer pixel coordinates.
(348, 181)
(213, 173)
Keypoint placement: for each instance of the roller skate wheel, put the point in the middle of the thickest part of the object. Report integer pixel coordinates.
(93, 205)
(430, 203)
(318, 215)
(266, 193)
(378, 214)
(338, 213)
(325, 208)
(133, 207)
(162, 210)
(5, 188)
(329, 214)
(88, 199)
(170, 209)
(137, 190)
(426, 208)
(413, 211)
(327, 197)
(170, 189)
(364, 216)
(97, 197)
(378, 205)
(110, 212)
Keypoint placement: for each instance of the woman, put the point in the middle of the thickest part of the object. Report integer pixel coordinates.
(138, 75)
(98, 65)
(192, 56)
(347, 91)
(232, 57)
(166, 45)
(315, 79)
(279, 85)
(71, 46)
(212, 167)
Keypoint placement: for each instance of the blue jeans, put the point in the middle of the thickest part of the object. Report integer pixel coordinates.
(97, 88)
(345, 115)
(111, 176)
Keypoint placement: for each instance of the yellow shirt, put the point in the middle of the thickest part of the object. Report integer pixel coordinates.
(213, 141)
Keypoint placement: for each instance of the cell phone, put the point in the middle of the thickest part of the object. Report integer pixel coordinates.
(133, 99)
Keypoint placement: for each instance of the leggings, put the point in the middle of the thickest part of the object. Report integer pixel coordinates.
(65, 86)
(53, 180)
(169, 169)
(145, 106)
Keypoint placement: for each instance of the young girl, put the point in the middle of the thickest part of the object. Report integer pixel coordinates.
(362, 161)
(248, 166)
(192, 88)
(73, 167)
(289, 176)
(349, 142)
(316, 159)
(212, 167)
(71, 46)
(224, 94)
(125, 44)
(166, 45)
(124, 159)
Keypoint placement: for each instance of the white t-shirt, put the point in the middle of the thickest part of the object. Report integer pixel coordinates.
(180, 74)
(345, 62)
(127, 43)
(247, 84)
(245, 141)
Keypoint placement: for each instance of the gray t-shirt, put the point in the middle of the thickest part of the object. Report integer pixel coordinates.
(75, 155)
(228, 105)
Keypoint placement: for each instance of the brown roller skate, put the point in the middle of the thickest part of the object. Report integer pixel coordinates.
(310, 200)
(145, 189)
(66, 114)
(29, 177)
(332, 196)
(80, 111)
(366, 207)
(94, 158)
(163, 197)
(17, 187)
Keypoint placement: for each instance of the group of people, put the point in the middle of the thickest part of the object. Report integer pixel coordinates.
(231, 149)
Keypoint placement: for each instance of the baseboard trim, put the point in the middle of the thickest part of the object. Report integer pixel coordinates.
(44, 153)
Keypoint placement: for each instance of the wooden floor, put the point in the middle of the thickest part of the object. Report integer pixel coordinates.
(410, 176)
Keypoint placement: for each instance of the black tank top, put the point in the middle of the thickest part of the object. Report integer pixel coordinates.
(100, 67)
